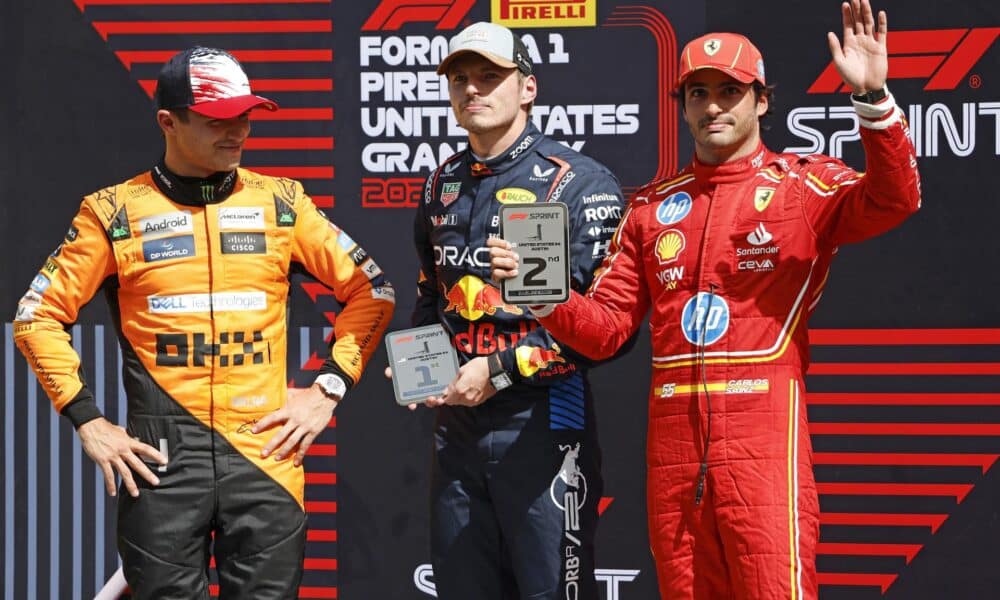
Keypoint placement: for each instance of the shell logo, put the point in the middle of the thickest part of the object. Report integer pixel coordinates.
(669, 246)
(515, 195)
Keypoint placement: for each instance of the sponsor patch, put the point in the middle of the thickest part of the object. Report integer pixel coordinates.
(449, 192)
(705, 319)
(358, 255)
(242, 218)
(40, 283)
(119, 228)
(166, 224)
(344, 241)
(243, 243)
(538, 174)
(669, 246)
(25, 313)
(168, 248)
(762, 197)
(445, 219)
(602, 213)
(72, 234)
(601, 197)
(23, 328)
(248, 401)
(371, 269)
(50, 267)
(515, 195)
(284, 214)
(759, 236)
(384, 292)
(544, 13)
(674, 208)
(217, 302)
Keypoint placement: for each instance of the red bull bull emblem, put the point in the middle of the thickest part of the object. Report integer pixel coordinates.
(532, 359)
(471, 297)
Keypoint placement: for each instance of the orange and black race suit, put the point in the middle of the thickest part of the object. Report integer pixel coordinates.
(732, 259)
(197, 276)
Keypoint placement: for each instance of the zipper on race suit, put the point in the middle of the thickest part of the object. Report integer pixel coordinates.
(699, 489)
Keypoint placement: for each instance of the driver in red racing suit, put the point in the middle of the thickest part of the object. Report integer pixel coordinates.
(732, 254)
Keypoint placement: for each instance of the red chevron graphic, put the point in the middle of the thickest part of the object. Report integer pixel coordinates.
(849, 431)
(263, 152)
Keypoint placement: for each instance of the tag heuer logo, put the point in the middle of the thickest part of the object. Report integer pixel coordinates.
(762, 197)
(712, 46)
(449, 192)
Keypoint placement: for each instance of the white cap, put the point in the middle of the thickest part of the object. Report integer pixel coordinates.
(493, 42)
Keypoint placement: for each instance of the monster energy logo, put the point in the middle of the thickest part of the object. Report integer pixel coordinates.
(208, 193)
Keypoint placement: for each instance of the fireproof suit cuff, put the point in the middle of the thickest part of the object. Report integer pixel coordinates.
(508, 358)
(82, 408)
(880, 115)
(329, 366)
(542, 310)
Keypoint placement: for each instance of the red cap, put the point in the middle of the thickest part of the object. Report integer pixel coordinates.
(731, 53)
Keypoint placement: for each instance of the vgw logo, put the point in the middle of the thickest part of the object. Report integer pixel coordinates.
(943, 59)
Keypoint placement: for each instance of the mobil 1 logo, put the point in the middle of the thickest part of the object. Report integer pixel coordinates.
(423, 362)
(540, 232)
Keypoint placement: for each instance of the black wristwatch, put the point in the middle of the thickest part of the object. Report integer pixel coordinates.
(499, 377)
(873, 96)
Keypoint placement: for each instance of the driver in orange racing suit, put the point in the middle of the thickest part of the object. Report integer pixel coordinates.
(194, 257)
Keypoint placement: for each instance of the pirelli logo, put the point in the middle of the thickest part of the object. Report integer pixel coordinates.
(544, 13)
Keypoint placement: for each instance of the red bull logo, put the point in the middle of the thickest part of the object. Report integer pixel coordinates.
(472, 298)
(532, 359)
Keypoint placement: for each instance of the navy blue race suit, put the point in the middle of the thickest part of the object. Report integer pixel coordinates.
(516, 480)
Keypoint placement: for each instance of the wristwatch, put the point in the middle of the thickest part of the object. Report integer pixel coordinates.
(872, 96)
(499, 377)
(332, 385)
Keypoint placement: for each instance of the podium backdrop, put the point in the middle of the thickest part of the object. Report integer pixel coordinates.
(905, 382)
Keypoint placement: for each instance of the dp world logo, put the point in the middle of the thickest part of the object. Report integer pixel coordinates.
(674, 208)
(705, 319)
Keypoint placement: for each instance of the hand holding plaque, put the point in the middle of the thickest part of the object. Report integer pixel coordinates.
(540, 234)
(423, 363)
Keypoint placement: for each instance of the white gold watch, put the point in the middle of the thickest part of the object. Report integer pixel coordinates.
(332, 385)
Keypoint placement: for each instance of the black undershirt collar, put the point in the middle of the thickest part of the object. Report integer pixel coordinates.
(194, 191)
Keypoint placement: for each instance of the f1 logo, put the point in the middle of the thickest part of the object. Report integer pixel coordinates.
(944, 56)
(390, 15)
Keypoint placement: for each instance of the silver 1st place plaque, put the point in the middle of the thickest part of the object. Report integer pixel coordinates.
(540, 235)
(423, 362)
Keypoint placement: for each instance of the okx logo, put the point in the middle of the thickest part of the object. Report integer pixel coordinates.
(942, 57)
(390, 15)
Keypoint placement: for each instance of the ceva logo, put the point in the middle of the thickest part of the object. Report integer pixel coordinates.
(943, 57)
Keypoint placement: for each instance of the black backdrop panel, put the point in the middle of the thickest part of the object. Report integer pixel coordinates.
(904, 388)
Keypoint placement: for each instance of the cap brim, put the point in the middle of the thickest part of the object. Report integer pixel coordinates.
(229, 108)
(738, 75)
(493, 58)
